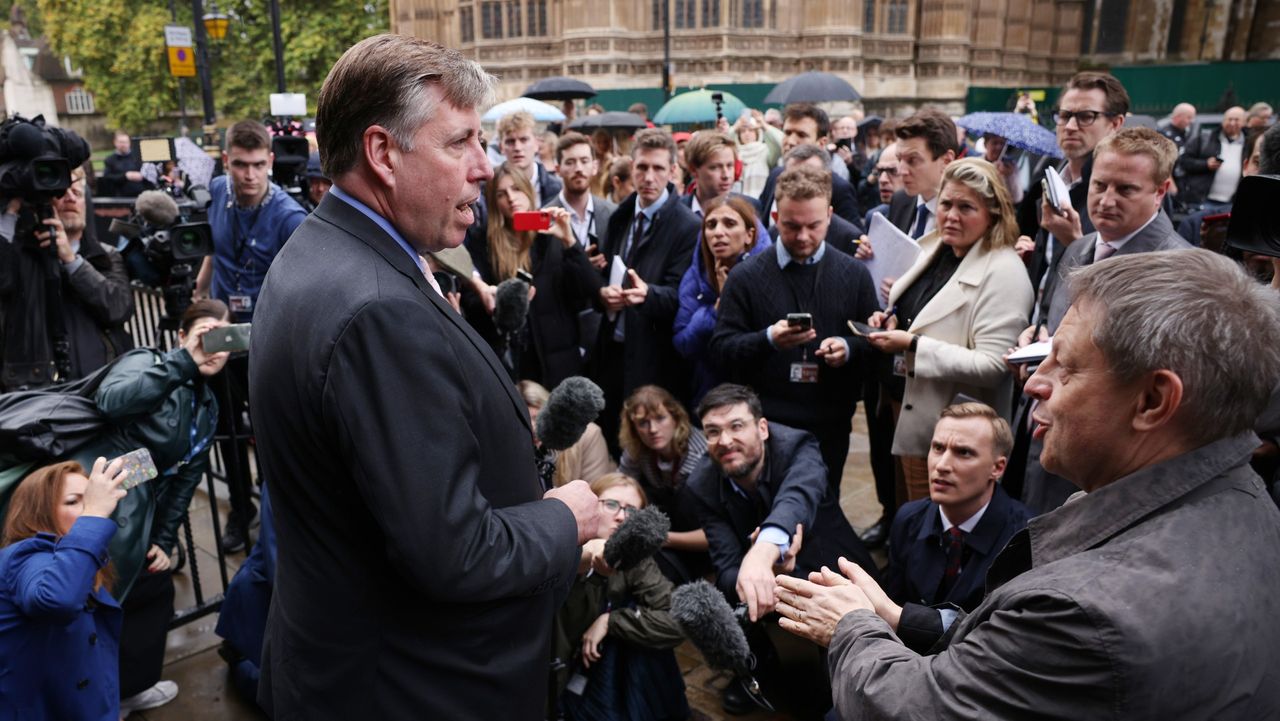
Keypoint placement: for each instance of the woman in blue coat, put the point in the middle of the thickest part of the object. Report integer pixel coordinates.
(59, 625)
(730, 233)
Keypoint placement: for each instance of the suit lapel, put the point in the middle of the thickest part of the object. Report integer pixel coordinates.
(347, 219)
(958, 291)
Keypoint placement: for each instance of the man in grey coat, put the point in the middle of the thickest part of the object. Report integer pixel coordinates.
(1152, 594)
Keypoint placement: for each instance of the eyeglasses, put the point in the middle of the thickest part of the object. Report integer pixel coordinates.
(891, 171)
(1083, 118)
(613, 506)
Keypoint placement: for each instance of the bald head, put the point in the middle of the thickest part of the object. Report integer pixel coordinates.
(1184, 114)
(1232, 122)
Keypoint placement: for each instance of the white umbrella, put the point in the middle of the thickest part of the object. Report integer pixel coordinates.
(541, 112)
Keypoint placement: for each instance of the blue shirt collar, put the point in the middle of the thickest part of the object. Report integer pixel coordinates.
(785, 259)
(382, 223)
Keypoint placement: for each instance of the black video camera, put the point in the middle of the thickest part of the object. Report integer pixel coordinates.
(172, 241)
(35, 166)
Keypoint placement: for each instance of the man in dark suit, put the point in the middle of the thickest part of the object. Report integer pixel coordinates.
(653, 234)
(843, 198)
(519, 137)
(588, 213)
(941, 547)
(762, 495)
(1132, 172)
(419, 560)
(809, 375)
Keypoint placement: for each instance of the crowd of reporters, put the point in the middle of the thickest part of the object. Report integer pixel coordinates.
(706, 283)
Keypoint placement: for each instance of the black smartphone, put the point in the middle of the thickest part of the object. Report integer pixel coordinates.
(524, 275)
(803, 321)
(446, 280)
(862, 329)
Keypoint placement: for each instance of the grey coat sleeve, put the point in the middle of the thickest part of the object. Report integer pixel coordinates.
(1045, 658)
(107, 295)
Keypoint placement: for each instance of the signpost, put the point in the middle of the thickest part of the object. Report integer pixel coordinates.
(181, 47)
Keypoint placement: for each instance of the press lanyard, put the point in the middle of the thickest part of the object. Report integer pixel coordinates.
(196, 447)
(240, 239)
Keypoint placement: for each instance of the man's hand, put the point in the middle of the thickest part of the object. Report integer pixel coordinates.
(1064, 224)
(596, 257)
(65, 253)
(864, 251)
(612, 298)
(1025, 246)
(583, 503)
(592, 638)
(591, 550)
(832, 351)
(133, 175)
(789, 336)
(1024, 339)
(812, 609)
(159, 560)
(639, 290)
(884, 607)
(755, 579)
(1214, 163)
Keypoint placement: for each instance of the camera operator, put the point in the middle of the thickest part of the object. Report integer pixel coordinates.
(64, 297)
(250, 218)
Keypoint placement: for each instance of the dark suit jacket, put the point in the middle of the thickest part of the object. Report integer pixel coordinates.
(844, 199)
(792, 489)
(687, 199)
(1194, 177)
(902, 211)
(660, 259)
(548, 182)
(918, 555)
(417, 570)
(599, 222)
(1079, 193)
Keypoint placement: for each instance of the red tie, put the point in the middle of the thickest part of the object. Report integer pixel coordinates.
(955, 558)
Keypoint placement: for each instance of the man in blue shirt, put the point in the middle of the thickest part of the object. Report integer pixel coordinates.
(251, 218)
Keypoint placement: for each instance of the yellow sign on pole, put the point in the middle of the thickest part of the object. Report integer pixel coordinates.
(182, 56)
(182, 62)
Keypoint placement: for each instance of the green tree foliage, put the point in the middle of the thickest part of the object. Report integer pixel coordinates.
(120, 47)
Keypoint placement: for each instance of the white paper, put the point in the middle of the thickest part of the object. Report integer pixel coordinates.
(617, 272)
(895, 252)
(1059, 193)
(1033, 353)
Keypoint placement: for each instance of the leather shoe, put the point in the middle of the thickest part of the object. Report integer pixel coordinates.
(735, 700)
(875, 536)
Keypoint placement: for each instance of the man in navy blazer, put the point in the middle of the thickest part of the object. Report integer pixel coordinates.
(419, 562)
(941, 547)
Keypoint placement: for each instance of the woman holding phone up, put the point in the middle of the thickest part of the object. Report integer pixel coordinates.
(161, 402)
(59, 625)
(541, 248)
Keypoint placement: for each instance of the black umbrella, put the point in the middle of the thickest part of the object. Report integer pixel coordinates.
(559, 88)
(871, 121)
(812, 87)
(612, 120)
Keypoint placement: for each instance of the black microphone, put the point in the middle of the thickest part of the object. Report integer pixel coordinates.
(571, 406)
(156, 208)
(511, 306)
(707, 620)
(639, 537)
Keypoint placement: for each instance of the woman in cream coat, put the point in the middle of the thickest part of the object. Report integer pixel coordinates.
(956, 312)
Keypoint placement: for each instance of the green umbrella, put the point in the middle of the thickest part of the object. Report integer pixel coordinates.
(696, 106)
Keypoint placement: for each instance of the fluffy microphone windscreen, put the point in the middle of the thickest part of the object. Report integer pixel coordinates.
(638, 538)
(706, 619)
(157, 208)
(511, 305)
(572, 405)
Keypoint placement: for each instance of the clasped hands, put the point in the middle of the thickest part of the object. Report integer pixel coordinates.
(813, 608)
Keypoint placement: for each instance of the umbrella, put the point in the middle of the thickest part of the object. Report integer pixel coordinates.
(612, 120)
(540, 111)
(559, 88)
(871, 121)
(696, 106)
(812, 87)
(1016, 128)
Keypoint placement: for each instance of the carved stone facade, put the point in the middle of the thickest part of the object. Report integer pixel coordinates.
(900, 54)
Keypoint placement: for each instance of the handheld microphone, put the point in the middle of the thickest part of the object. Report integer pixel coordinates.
(571, 406)
(707, 620)
(156, 208)
(511, 306)
(638, 538)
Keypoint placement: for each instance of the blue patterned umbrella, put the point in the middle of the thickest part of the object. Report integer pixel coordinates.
(1017, 130)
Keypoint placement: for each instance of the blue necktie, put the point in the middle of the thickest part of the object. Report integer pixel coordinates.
(922, 218)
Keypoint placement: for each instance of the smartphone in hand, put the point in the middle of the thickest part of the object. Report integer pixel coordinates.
(138, 468)
(227, 339)
(803, 321)
(530, 220)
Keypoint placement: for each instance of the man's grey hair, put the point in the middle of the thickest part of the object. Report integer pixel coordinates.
(387, 80)
(803, 152)
(1197, 314)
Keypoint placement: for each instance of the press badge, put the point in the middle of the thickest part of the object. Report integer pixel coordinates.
(240, 303)
(900, 365)
(804, 372)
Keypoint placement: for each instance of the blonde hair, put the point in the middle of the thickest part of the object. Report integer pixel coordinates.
(519, 120)
(1001, 434)
(984, 180)
(704, 143)
(613, 480)
(651, 399)
(1142, 141)
(508, 250)
(804, 183)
